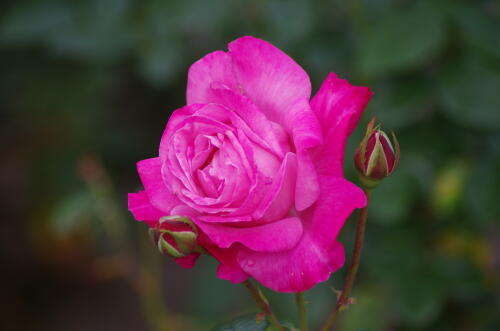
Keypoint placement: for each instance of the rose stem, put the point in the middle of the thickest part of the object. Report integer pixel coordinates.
(301, 307)
(263, 304)
(342, 302)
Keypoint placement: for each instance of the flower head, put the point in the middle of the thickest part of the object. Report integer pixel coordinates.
(256, 165)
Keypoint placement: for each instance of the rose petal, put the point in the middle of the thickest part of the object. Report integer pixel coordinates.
(338, 106)
(142, 209)
(175, 121)
(280, 194)
(317, 254)
(271, 237)
(307, 186)
(255, 124)
(189, 261)
(303, 125)
(295, 270)
(215, 67)
(269, 77)
(305, 130)
(228, 269)
(159, 195)
(325, 218)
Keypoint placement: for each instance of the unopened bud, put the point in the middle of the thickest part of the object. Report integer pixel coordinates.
(175, 236)
(376, 157)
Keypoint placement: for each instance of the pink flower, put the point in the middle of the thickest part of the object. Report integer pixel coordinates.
(257, 166)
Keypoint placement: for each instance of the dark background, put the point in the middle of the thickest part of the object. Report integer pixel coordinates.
(86, 88)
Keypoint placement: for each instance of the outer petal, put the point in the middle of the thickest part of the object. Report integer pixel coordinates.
(295, 270)
(189, 261)
(158, 193)
(317, 254)
(338, 106)
(339, 198)
(261, 238)
(228, 269)
(214, 69)
(268, 76)
(142, 209)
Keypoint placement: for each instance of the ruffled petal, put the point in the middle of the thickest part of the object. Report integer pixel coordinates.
(338, 106)
(269, 77)
(142, 209)
(159, 195)
(295, 270)
(175, 121)
(271, 237)
(253, 122)
(214, 69)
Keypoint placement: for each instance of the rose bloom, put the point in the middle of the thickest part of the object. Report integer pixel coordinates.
(257, 166)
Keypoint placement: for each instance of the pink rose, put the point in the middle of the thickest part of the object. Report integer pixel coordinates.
(257, 166)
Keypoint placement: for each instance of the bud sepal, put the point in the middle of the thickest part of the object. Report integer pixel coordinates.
(175, 236)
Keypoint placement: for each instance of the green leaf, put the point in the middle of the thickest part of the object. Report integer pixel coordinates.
(401, 41)
(244, 323)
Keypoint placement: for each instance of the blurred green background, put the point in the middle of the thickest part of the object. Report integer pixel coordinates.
(86, 88)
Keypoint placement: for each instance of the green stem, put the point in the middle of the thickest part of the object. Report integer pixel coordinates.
(263, 304)
(301, 307)
(343, 300)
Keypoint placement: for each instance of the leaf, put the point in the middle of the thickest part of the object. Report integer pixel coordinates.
(400, 41)
(244, 323)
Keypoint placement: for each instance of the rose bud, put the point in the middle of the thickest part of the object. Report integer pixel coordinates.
(175, 236)
(376, 157)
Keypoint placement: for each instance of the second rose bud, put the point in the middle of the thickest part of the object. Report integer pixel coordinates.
(377, 156)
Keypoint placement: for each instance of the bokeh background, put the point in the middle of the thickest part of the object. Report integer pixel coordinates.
(86, 88)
